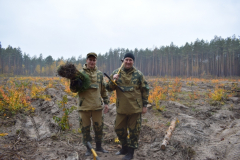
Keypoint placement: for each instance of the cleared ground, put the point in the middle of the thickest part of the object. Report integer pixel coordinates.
(206, 129)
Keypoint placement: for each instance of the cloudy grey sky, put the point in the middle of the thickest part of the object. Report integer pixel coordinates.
(75, 27)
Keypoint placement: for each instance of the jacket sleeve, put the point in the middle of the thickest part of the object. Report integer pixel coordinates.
(75, 85)
(144, 89)
(104, 92)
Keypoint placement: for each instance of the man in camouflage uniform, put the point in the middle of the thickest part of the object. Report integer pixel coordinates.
(130, 104)
(90, 103)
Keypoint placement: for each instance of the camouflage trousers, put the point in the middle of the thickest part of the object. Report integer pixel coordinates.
(128, 123)
(85, 118)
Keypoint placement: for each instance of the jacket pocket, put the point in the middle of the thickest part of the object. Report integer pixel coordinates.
(127, 88)
(94, 85)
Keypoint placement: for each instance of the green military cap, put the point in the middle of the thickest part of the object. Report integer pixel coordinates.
(92, 54)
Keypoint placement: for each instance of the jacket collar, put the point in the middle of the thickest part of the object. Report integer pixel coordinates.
(129, 71)
(87, 69)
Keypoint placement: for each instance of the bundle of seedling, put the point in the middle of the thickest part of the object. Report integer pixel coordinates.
(78, 79)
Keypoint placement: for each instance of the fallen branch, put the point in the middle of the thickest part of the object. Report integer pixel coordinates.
(168, 134)
(18, 140)
(69, 144)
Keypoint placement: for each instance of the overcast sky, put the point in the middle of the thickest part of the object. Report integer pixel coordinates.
(75, 27)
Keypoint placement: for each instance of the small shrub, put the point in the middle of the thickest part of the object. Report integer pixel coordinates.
(218, 95)
(193, 95)
(63, 121)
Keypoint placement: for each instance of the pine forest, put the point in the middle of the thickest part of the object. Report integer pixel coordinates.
(218, 58)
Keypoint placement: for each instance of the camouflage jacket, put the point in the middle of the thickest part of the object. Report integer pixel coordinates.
(94, 97)
(135, 94)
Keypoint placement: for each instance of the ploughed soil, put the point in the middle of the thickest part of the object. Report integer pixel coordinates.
(206, 131)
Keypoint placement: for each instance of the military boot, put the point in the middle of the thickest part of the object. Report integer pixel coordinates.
(99, 147)
(89, 152)
(123, 151)
(129, 155)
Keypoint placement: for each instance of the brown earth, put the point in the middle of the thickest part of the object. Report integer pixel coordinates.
(204, 131)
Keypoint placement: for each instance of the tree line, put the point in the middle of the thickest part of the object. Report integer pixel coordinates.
(220, 57)
(13, 62)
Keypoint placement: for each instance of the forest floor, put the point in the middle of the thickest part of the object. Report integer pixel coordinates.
(205, 130)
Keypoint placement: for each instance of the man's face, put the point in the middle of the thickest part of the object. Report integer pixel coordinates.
(128, 63)
(91, 62)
